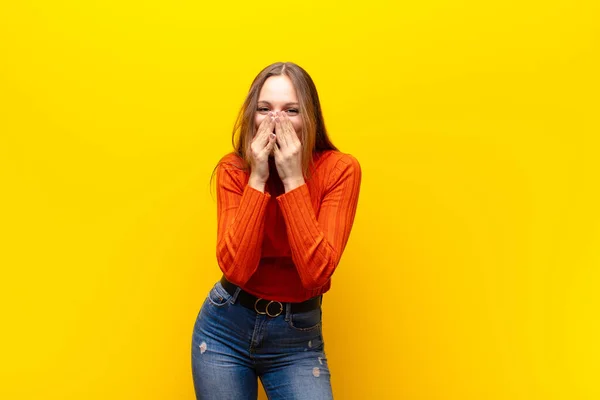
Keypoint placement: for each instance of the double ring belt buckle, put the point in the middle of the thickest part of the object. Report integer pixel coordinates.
(267, 308)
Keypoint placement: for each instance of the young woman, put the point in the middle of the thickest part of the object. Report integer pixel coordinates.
(286, 201)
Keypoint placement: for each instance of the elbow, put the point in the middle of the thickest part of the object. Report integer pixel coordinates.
(233, 274)
(316, 281)
(319, 274)
(234, 271)
(314, 284)
(226, 271)
(227, 267)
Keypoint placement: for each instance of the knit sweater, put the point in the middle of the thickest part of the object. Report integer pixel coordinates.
(285, 246)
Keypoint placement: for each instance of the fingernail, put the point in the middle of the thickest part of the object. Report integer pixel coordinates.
(272, 136)
(270, 113)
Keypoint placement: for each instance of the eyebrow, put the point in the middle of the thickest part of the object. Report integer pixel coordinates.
(286, 104)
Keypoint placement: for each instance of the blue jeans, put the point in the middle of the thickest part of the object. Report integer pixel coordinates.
(232, 346)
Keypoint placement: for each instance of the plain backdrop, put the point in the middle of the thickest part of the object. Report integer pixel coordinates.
(472, 269)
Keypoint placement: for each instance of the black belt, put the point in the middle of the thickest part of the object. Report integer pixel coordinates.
(264, 306)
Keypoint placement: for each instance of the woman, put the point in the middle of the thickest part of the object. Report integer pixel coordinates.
(286, 200)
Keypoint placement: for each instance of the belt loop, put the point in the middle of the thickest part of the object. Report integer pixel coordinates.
(235, 294)
(288, 311)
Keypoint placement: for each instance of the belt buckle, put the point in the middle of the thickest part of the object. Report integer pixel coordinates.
(267, 307)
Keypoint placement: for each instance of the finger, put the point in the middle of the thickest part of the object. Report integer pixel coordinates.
(281, 133)
(265, 128)
(287, 126)
(287, 122)
(270, 144)
(260, 139)
(265, 123)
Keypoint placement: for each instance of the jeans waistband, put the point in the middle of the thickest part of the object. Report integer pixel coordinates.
(270, 307)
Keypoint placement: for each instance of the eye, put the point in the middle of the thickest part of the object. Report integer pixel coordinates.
(262, 110)
(292, 111)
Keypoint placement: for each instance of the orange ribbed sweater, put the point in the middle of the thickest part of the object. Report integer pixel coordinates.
(286, 246)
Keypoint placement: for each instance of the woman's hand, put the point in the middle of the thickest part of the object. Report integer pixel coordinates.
(288, 153)
(260, 149)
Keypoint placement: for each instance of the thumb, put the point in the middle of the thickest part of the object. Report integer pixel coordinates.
(270, 144)
(274, 146)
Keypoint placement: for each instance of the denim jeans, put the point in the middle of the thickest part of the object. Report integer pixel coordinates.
(232, 346)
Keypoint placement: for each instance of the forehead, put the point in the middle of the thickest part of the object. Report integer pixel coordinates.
(278, 88)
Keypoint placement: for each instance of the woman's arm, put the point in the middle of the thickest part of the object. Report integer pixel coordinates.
(317, 245)
(241, 220)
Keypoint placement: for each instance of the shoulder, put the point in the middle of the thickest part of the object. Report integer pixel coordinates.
(232, 163)
(231, 158)
(231, 168)
(334, 160)
(337, 168)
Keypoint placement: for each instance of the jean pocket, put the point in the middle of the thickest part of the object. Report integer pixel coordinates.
(218, 296)
(306, 320)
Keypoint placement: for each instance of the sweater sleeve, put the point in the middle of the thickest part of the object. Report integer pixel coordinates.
(241, 220)
(317, 244)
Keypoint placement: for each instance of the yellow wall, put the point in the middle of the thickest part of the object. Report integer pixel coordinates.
(472, 269)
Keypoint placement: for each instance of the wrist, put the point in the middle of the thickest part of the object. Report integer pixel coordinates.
(257, 183)
(291, 184)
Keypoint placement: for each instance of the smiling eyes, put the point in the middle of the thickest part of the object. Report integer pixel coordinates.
(265, 110)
